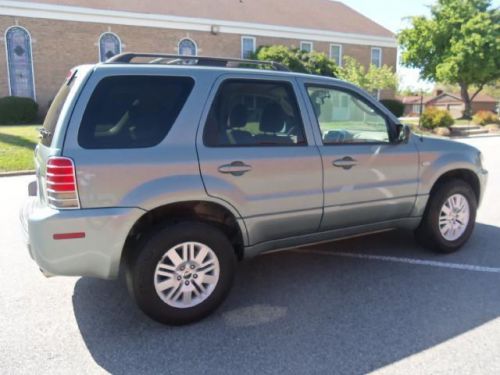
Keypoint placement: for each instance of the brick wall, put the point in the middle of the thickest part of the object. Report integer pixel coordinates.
(59, 45)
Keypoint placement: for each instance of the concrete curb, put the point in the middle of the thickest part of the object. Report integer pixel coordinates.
(16, 173)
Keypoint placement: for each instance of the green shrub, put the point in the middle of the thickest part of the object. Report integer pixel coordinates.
(297, 60)
(395, 106)
(485, 118)
(17, 111)
(434, 117)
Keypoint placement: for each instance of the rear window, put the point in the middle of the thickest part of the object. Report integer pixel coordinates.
(50, 122)
(132, 111)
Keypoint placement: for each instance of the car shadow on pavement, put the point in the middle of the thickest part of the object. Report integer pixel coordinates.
(296, 312)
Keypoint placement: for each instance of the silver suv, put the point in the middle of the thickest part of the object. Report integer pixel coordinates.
(171, 169)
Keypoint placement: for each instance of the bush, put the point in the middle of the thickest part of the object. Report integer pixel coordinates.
(17, 111)
(395, 106)
(485, 118)
(297, 60)
(434, 117)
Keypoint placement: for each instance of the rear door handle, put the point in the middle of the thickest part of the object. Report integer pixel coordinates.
(346, 162)
(236, 168)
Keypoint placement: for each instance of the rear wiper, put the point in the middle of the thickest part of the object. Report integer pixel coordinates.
(44, 133)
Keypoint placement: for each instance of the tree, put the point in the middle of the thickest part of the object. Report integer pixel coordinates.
(372, 79)
(297, 60)
(458, 45)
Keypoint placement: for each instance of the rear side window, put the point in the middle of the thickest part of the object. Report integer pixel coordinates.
(254, 113)
(132, 111)
(50, 122)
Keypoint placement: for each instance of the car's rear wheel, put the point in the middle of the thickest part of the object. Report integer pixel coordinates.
(449, 218)
(182, 272)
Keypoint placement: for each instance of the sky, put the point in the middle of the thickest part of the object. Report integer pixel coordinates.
(391, 14)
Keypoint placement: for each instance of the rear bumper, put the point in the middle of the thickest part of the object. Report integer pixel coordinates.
(98, 254)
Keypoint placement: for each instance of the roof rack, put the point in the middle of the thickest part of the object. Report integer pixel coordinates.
(159, 58)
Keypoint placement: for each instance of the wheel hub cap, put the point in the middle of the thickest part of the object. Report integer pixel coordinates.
(454, 217)
(186, 275)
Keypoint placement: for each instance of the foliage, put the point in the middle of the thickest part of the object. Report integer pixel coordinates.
(318, 63)
(485, 118)
(15, 110)
(434, 117)
(297, 60)
(395, 106)
(373, 79)
(458, 44)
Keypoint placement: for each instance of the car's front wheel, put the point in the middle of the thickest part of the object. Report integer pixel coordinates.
(182, 272)
(449, 217)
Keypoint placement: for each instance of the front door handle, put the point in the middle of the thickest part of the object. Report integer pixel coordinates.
(236, 168)
(346, 162)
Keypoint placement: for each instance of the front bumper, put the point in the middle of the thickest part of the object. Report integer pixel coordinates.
(483, 179)
(98, 254)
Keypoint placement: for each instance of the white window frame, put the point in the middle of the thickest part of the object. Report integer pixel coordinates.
(311, 45)
(31, 54)
(380, 56)
(99, 44)
(191, 40)
(340, 52)
(254, 42)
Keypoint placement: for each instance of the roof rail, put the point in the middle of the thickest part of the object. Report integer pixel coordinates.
(158, 58)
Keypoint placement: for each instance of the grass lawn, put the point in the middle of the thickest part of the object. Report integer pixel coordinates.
(16, 147)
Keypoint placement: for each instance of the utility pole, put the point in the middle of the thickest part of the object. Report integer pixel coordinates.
(421, 109)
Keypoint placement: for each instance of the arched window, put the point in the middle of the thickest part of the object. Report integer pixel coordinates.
(20, 62)
(187, 47)
(109, 45)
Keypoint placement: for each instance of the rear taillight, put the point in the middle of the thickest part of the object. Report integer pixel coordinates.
(62, 190)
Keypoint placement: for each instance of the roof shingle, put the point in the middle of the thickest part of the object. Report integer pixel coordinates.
(308, 14)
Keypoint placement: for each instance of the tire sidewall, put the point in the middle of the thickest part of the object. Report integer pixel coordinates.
(456, 187)
(151, 251)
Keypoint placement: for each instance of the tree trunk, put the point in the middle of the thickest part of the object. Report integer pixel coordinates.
(464, 92)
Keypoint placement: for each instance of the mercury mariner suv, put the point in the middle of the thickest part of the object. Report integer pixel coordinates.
(173, 168)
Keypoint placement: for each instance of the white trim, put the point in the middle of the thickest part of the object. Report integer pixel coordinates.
(192, 40)
(340, 52)
(31, 54)
(80, 14)
(254, 41)
(99, 43)
(306, 42)
(380, 56)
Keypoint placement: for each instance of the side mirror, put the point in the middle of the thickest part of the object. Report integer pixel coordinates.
(403, 133)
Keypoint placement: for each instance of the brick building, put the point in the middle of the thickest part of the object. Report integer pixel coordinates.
(44, 38)
(452, 102)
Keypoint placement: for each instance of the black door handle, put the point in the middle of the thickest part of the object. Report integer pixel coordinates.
(236, 168)
(346, 162)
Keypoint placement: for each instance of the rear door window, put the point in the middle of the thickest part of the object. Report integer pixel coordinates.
(254, 113)
(132, 111)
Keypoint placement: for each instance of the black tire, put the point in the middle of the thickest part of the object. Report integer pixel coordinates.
(428, 233)
(142, 264)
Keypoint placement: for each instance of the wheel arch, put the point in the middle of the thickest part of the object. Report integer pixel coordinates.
(206, 211)
(463, 174)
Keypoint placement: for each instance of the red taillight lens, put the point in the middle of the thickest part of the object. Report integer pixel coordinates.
(62, 191)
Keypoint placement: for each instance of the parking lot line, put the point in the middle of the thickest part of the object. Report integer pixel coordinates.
(419, 262)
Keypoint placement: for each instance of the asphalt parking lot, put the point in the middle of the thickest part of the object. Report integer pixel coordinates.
(378, 303)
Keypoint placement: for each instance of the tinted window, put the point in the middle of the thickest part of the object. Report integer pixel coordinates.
(254, 113)
(132, 111)
(50, 122)
(345, 118)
